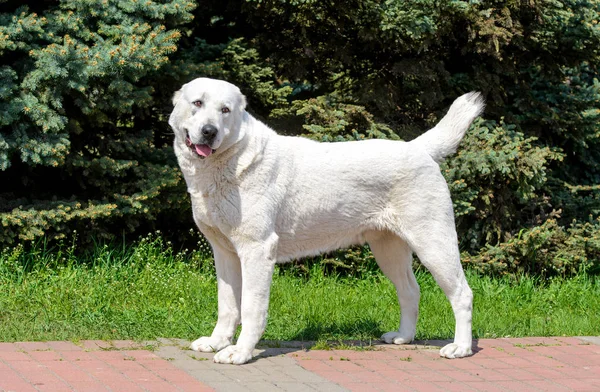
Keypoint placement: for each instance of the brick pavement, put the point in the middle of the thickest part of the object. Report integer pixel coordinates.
(525, 364)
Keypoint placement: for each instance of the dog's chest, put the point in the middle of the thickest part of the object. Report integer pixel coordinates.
(206, 210)
(201, 209)
(216, 208)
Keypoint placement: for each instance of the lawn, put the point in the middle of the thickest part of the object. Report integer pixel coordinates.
(149, 291)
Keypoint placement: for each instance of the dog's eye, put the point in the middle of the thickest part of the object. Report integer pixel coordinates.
(197, 103)
(225, 110)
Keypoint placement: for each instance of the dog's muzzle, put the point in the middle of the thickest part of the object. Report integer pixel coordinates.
(203, 149)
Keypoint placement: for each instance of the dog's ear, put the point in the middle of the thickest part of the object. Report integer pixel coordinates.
(176, 97)
(179, 113)
(243, 102)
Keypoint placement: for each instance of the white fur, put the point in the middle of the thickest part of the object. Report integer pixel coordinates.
(261, 198)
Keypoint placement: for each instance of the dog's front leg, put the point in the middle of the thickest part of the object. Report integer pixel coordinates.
(258, 262)
(229, 284)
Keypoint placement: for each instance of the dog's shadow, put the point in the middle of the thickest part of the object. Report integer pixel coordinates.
(311, 338)
(321, 331)
(277, 348)
(271, 348)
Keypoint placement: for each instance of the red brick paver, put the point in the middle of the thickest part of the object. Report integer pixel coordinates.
(92, 366)
(525, 364)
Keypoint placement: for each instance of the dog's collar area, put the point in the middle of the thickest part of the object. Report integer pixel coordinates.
(201, 150)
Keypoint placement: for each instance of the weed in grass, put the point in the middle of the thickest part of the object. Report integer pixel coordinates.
(321, 345)
(328, 346)
(521, 345)
(149, 347)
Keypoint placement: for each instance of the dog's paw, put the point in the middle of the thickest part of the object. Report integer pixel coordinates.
(209, 344)
(234, 355)
(453, 350)
(396, 337)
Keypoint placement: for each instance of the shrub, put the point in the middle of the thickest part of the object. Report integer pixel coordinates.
(329, 119)
(497, 180)
(77, 145)
(547, 249)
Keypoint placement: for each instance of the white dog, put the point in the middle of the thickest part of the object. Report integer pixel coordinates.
(260, 199)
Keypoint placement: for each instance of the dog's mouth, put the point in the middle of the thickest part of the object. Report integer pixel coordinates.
(202, 150)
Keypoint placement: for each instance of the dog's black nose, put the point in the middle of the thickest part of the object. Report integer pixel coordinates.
(209, 132)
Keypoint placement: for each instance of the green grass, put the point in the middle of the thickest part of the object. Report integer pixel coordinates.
(148, 291)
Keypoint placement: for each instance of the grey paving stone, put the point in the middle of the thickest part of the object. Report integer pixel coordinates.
(165, 341)
(237, 373)
(301, 374)
(171, 352)
(591, 339)
(228, 387)
(181, 342)
(261, 386)
(281, 361)
(326, 387)
(208, 357)
(209, 376)
(294, 386)
(188, 364)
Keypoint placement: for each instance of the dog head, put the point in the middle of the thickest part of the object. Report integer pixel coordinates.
(207, 115)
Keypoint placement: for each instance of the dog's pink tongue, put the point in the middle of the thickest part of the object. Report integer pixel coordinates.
(203, 150)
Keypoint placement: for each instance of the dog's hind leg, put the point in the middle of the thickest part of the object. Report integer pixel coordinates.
(394, 257)
(435, 242)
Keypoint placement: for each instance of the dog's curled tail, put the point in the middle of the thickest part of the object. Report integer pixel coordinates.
(443, 139)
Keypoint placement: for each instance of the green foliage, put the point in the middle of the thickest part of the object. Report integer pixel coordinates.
(83, 56)
(237, 63)
(328, 119)
(76, 148)
(497, 180)
(243, 66)
(547, 249)
(576, 199)
(566, 113)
